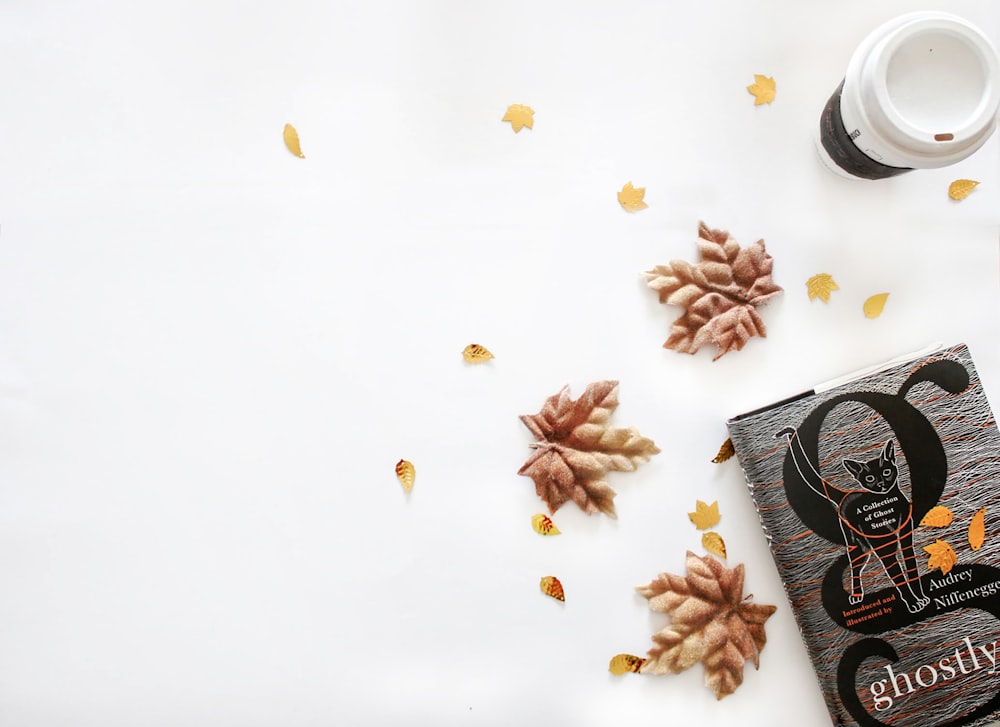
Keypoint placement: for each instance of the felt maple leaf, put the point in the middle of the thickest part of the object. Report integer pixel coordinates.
(710, 622)
(720, 293)
(576, 447)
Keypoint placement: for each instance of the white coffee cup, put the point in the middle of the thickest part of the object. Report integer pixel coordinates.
(921, 91)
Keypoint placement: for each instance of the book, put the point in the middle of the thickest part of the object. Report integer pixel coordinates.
(879, 495)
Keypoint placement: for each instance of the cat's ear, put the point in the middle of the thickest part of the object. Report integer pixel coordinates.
(889, 452)
(854, 467)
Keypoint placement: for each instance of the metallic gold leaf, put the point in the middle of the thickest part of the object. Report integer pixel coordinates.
(713, 543)
(763, 89)
(726, 451)
(961, 188)
(519, 116)
(630, 198)
(625, 664)
(874, 305)
(543, 525)
(937, 517)
(406, 473)
(705, 516)
(977, 529)
(820, 286)
(474, 353)
(551, 586)
(941, 556)
(292, 141)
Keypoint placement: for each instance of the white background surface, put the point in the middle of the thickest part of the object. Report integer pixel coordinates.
(212, 353)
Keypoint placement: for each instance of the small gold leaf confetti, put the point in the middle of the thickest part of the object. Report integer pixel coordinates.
(519, 116)
(551, 586)
(406, 473)
(941, 556)
(874, 305)
(474, 353)
(630, 198)
(977, 529)
(961, 188)
(543, 525)
(292, 141)
(705, 516)
(763, 89)
(625, 664)
(937, 517)
(726, 451)
(820, 286)
(714, 544)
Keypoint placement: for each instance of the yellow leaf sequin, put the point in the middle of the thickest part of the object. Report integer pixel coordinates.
(406, 473)
(941, 556)
(726, 451)
(763, 89)
(474, 353)
(937, 517)
(551, 587)
(519, 116)
(292, 141)
(873, 306)
(961, 188)
(820, 286)
(977, 529)
(630, 198)
(543, 525)
(705, 516)
(625, 664)
(714, 544)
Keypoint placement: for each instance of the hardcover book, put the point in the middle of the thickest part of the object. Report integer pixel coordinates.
(880, 498)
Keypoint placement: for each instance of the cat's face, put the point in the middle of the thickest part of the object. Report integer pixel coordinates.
(876, 475)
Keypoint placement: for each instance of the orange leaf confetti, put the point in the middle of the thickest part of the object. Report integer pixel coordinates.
(543, 525)
(705, 516)
(937, 517)
(714, 544)
(820, 286)
(762, 89)
(726, 451)
(519, 116)
(551, 587)
(941, 556)
(961, 188)
(474, 353)
(874, 305)
(292, 141)
(625, 664)
(977, 529)
(630, 198)
(406, 473)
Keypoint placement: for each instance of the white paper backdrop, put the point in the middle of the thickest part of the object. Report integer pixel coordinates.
(212, 353)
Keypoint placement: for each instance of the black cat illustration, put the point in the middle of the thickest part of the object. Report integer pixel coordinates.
(876, 517)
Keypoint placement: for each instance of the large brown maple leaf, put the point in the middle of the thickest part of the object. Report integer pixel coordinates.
(710, 622)
(720, 293)
(576, 447)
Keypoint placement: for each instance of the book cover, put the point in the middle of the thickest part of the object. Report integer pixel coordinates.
(880, 499)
